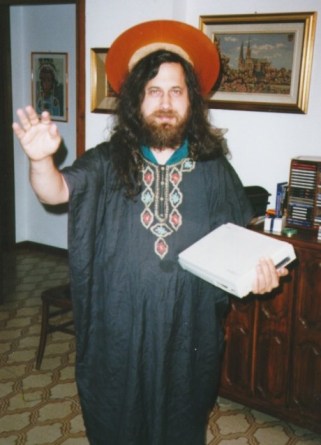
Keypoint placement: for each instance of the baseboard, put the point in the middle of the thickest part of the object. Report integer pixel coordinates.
(38, 247)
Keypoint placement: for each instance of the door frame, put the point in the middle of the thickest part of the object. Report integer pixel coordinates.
(7, 192)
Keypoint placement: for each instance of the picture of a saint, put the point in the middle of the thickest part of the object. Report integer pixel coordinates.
(47, 101)
(49, 92)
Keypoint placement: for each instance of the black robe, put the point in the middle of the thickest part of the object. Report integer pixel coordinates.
(149, 334)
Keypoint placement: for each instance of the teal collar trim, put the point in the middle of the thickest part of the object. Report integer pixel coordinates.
(178, 155)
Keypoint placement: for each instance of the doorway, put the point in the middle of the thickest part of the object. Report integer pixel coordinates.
(7, 192)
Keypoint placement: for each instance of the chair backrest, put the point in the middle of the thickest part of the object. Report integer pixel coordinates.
(259, 199)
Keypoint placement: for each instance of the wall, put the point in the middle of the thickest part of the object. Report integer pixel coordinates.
(262, 143)
(41, 29)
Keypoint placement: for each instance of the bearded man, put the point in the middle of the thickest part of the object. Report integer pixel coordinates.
(149, 334)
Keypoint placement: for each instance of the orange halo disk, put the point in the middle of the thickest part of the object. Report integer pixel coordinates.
(192, 41)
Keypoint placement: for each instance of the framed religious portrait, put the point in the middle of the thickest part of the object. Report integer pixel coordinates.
(103, 97)
(266, 60)
(50, 84)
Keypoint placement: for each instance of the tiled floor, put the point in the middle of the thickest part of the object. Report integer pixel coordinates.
(42, 408)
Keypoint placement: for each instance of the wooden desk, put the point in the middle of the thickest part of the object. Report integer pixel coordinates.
(272, 359)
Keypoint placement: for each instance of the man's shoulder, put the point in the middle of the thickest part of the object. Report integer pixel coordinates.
(102, 147)
(215, 162)
(102, 150)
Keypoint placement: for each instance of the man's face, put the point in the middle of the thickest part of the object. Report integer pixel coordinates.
(47, 82)
(165, 108)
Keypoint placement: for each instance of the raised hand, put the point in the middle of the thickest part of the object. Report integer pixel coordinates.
(39, 137)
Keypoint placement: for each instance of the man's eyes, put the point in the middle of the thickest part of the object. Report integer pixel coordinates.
(176, 91)
(156, 92)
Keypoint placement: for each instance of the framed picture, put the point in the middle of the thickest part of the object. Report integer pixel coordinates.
(266, 60)
(50, 84)
(103, 98)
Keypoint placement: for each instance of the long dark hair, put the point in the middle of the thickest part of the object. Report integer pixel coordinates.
(204, 142)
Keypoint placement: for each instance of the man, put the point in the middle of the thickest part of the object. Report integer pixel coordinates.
(149, 334)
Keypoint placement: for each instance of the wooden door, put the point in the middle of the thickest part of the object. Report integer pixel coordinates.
(271, 364)
(238, 355)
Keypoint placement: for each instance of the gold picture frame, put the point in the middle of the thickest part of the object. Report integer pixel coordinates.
(103, 98)
(49, 84)
(266, 60)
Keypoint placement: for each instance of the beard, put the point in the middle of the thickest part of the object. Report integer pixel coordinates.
(161, 135)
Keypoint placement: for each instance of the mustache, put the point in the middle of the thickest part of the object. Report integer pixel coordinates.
(164, 113)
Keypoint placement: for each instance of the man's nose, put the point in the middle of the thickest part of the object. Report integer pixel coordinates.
(166, 102)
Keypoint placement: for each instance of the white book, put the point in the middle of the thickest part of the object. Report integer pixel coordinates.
(227, 257)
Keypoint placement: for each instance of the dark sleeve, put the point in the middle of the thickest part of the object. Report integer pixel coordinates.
(88, 185)
(227, 197)
(84, 171)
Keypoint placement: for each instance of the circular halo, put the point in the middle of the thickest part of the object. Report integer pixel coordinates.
(157, 34)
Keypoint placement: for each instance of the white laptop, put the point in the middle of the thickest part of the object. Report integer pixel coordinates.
(227, 257)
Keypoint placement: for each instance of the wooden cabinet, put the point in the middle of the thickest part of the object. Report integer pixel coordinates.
(272, 359)
(305, 395)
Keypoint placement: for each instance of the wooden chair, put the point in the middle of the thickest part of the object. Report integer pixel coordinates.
(58, 298)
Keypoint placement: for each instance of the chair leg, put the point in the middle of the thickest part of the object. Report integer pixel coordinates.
(43, 334)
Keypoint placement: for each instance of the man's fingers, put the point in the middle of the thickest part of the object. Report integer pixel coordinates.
(53, 130)
(19, 132)
(283, 272)
(24, 119)
(28, 118)
(45, 118)
(266, 277)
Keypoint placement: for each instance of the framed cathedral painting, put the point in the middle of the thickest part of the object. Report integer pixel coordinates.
(266, 60)
(50, 84)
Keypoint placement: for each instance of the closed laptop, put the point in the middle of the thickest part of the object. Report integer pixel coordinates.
(227, 257)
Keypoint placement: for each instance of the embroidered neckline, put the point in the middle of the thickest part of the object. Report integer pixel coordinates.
(178, 155)
(162, 198)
